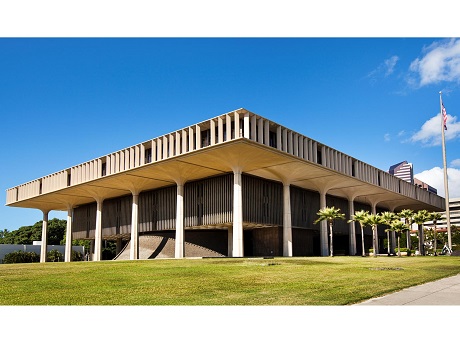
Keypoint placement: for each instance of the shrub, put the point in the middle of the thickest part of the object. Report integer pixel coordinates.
(77, 256)
(54, 256)
(20, 256)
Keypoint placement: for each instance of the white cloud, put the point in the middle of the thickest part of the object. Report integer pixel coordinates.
(455, 163)
(386, 68)
(387, 137)
(430, 133)
(390, 65)
(441, 62)
(435, 178)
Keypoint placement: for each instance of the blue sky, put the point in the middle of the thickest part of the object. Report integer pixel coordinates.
(64, 101)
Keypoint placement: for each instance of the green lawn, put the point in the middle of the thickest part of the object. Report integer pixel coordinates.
(240, 281)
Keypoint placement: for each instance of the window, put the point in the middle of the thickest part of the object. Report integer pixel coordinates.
(148, 155)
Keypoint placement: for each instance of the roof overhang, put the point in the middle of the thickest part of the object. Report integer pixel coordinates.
(241, 155)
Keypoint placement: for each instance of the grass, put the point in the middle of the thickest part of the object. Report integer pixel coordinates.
(313, 281)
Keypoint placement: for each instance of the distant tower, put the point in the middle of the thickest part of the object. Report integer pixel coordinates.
(404, 171)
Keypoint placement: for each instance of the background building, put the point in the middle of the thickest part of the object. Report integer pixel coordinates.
(405, 171)
(454, 212)
(425, 186)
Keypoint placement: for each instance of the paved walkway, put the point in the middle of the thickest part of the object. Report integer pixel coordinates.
(441, 292)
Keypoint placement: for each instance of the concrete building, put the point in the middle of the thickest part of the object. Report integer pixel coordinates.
(454, 212)
(234, 185)
(404, 171)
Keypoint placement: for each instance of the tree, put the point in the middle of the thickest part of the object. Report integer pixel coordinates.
(3, 234)
(361, 218)
(408, 215)
(434, 217)
(421, 217)
(388, 218)
(28, 234)
(374, 220)
(399, 227)
(330, 214)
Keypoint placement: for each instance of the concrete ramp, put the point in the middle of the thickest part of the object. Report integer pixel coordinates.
(160, 247)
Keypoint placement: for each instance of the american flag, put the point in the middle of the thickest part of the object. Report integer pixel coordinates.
(444, 114)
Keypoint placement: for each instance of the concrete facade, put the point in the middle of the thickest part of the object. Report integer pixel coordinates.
(258, 174)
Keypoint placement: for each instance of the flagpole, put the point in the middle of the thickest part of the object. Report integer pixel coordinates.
(446, 187)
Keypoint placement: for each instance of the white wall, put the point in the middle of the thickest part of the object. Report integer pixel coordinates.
(9, 248)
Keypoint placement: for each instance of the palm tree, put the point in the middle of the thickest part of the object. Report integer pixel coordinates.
(361, 218)
(374, 220)
(398, 226)
(408, 215)
(421, 217)
(434, 217)
(387, 218)
(329, 214)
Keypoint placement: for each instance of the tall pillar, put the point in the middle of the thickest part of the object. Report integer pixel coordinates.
(324, 242)
(179, 252)
(230, 241)
(287, 226)
(98, 235)
(134, 250)
(352, 236)
(68, 236)
(237, 250)
(43, 249)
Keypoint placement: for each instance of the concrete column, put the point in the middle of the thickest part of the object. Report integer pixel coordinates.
(220, 130)
(236, 120)
(237, 250)
(278, 138)
(230, 241)
(267, 132)
(197, 137)
(212, 127)
(324, 242)
(191, 145)
(246, 125)
(260, 131)
(253, 128)
(44, 246)
(287, 227)
(285, 139)
(179, 252)
(68, 236)
(134, 249)
(228, 127)
(184, 141)
(98, 235)
(352, 236)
